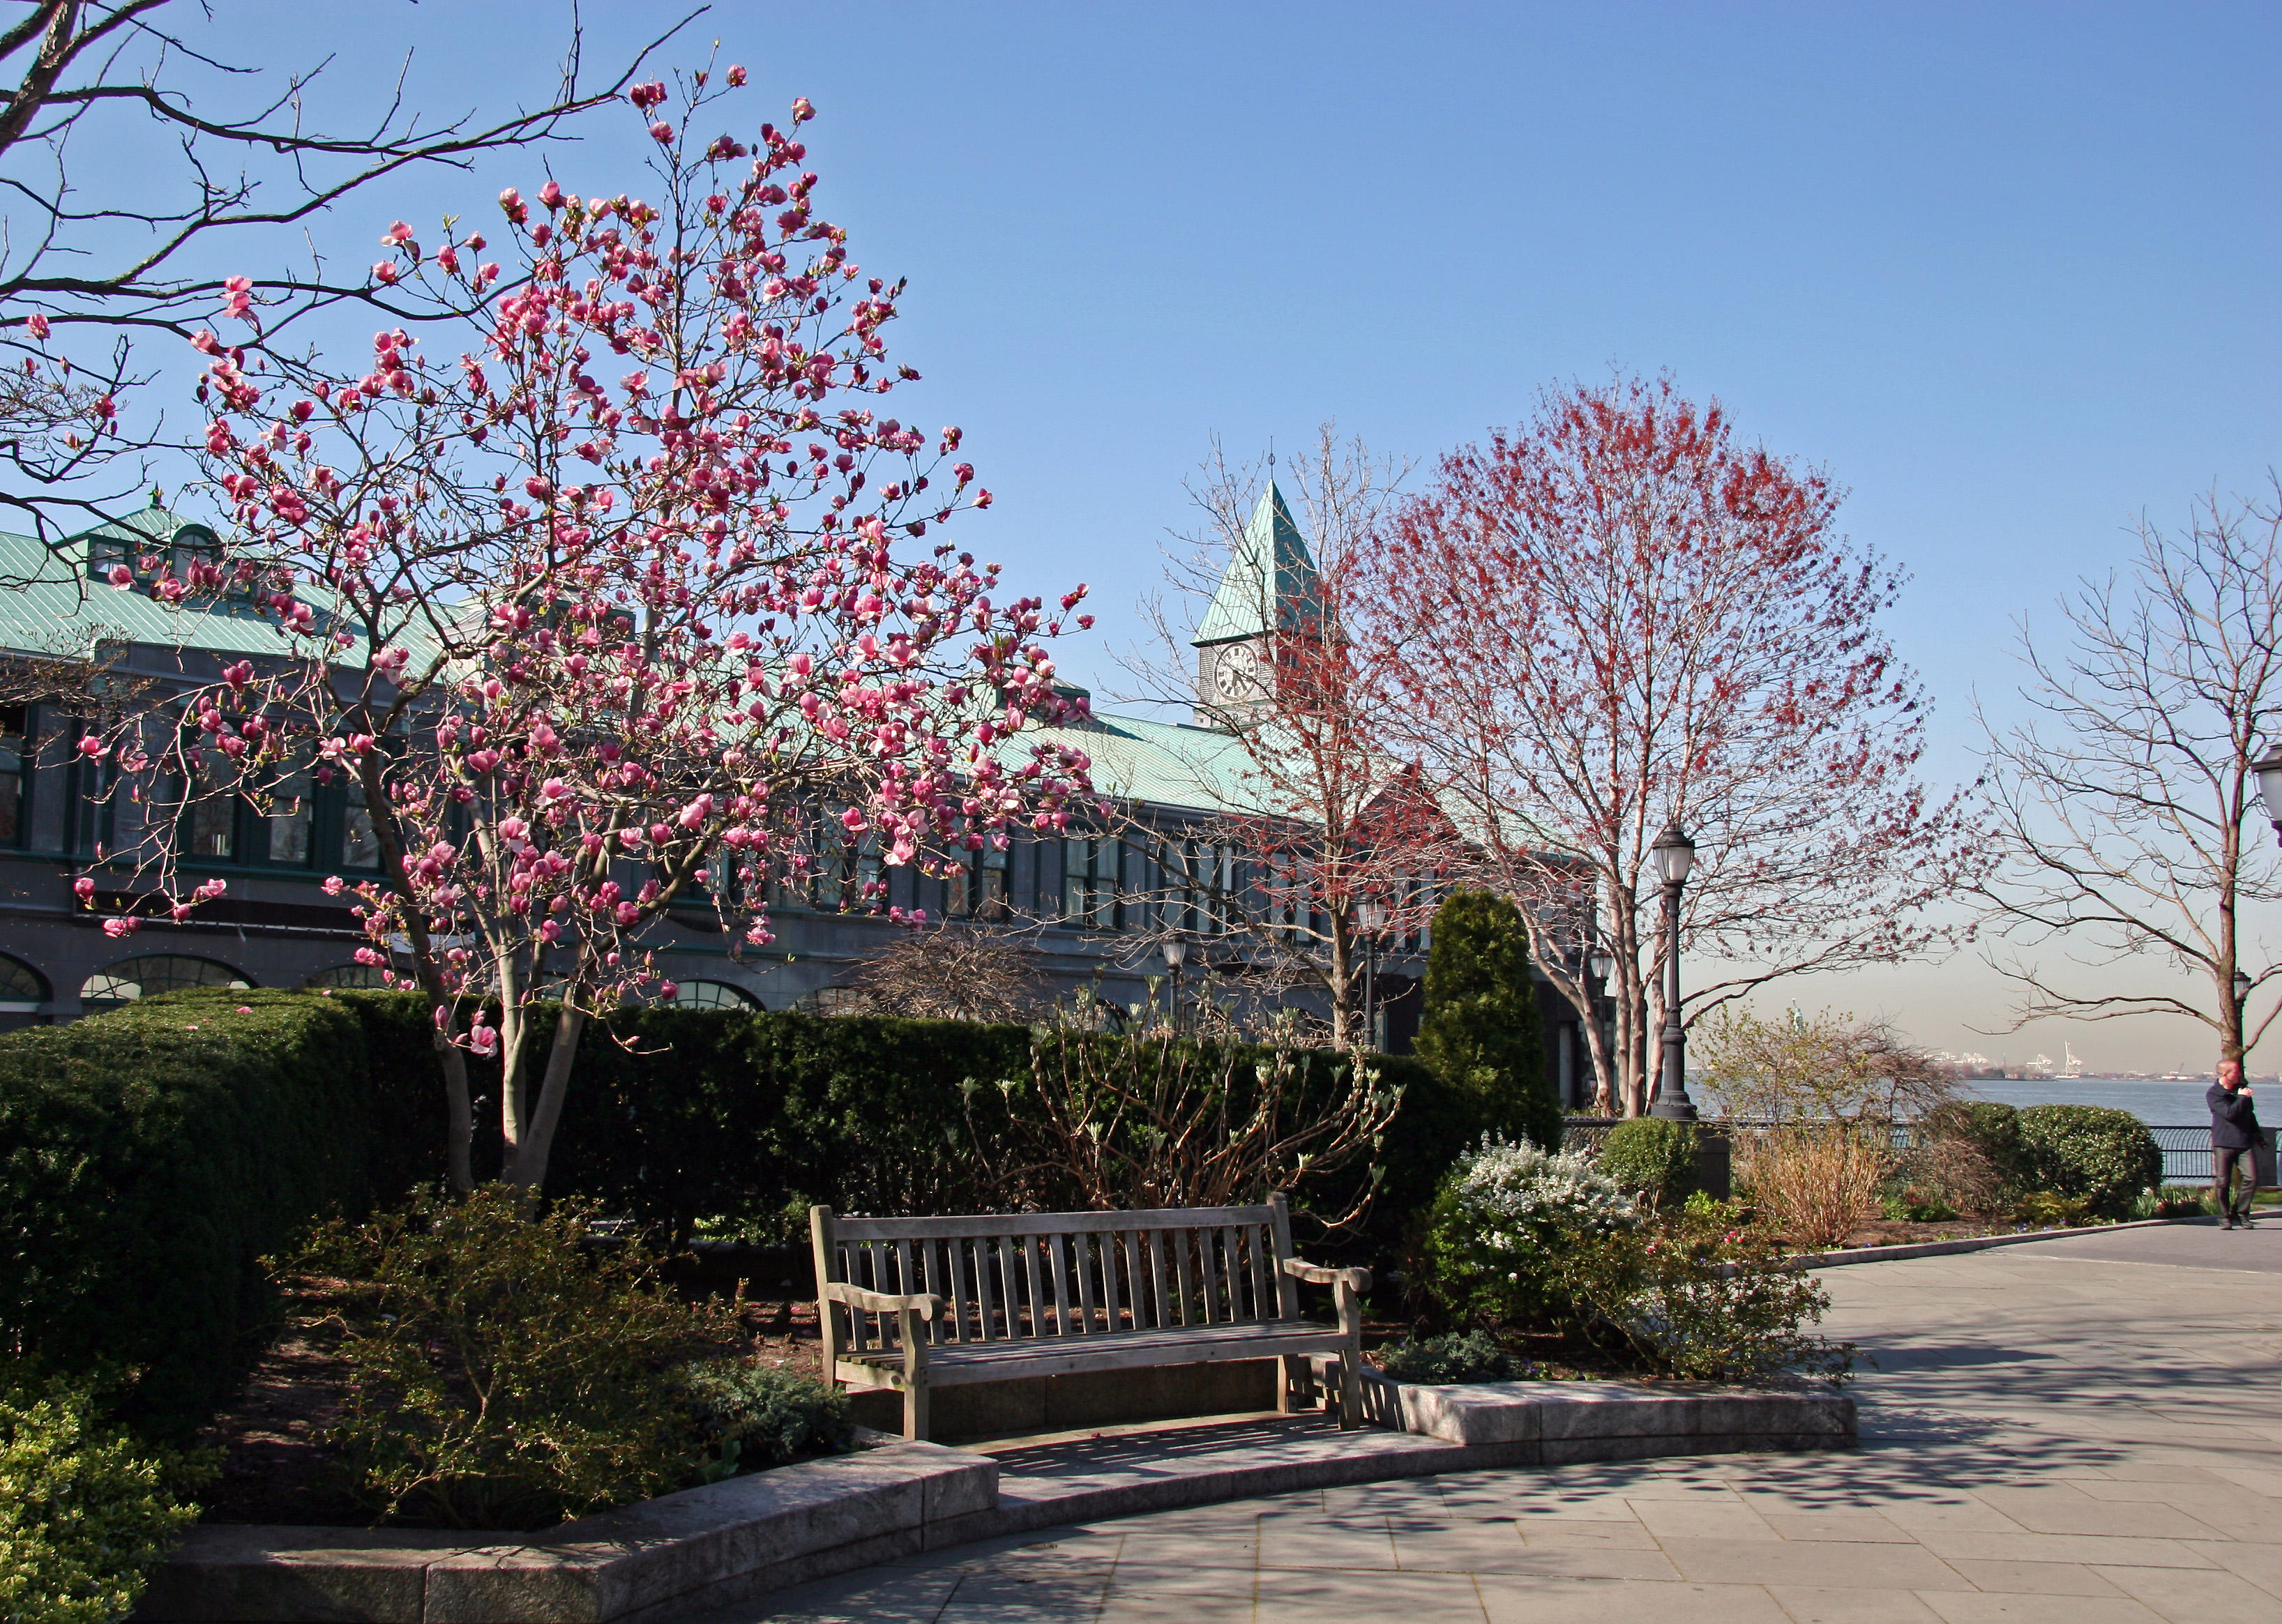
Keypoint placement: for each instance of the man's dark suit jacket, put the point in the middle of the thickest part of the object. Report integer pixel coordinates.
(2234, 1119)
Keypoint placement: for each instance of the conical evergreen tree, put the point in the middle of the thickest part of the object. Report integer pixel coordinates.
(1480, 1032)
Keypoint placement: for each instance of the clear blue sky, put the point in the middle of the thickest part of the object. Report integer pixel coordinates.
(2007, 271)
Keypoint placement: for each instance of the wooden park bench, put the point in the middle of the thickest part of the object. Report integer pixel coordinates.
(916, 1303)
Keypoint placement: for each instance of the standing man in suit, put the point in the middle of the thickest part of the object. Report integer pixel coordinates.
(2235, 1143)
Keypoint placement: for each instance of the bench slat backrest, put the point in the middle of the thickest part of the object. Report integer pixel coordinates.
(1018, 1275)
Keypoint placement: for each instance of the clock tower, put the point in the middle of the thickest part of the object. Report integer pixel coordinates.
(1270, 589)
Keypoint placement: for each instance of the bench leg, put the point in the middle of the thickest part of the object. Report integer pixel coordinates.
(1350, 1389)
(915, 1382)
(1291, 1392)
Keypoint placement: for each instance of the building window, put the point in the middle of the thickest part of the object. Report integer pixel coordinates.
(16, 751)
(212, 811)
(89, 815)
(287, 806)
(359, 845)
(978, 884)
(348, 975)
(146, 977)
(22, 989)
(1089, 890)
(712, 995)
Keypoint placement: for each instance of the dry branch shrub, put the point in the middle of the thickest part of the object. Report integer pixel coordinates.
(1815, 1181)
(1111, 1124)
(948, 973)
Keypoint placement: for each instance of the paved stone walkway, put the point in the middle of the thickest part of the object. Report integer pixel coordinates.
(2084, 1432)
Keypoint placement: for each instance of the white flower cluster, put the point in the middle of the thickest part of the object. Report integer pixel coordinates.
(1520, 1187)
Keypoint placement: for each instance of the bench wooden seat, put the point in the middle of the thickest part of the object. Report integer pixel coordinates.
(916, 1303)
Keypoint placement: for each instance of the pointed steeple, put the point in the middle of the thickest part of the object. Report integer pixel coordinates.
(1271, 581)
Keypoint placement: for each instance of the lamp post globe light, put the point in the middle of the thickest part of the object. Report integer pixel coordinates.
(2268, 770)
(1371, 916)
(1675, 857)
(1177, 954)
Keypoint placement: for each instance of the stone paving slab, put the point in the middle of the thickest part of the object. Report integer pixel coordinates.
(2073, 1439)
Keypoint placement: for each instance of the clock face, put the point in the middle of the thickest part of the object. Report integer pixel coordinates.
(1236, 673)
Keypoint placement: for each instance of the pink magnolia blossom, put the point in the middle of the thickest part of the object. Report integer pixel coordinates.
(666, 624)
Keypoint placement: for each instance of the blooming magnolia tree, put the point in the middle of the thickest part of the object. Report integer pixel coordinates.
(596, 648)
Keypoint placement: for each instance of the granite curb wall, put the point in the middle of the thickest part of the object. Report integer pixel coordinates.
(714, 1547)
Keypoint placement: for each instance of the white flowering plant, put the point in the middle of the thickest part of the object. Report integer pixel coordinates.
(1505, 1223)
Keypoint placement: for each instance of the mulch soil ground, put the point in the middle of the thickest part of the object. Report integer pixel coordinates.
(277, 1466)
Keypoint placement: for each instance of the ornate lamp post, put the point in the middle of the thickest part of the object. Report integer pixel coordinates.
(1177, 954)
(1675, 855)
(1372, 918)
(2269, 770)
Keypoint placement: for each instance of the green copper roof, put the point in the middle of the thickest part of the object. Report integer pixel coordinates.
(59, 605)
(1271, 574)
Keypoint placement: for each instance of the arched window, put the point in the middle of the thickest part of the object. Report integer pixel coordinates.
(347, 975)
(158, 972)
(713, 995)
(22, 989)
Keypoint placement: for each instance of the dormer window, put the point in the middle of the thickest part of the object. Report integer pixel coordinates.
(146, 557)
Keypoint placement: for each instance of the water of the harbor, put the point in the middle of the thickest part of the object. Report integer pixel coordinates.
(2157, 1103)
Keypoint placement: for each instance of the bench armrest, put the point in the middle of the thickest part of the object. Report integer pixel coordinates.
(1319, 1275)
(880, 1303)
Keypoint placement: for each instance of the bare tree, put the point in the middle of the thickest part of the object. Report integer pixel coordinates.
(1317, 822)
(2121, 804)
(94, 257)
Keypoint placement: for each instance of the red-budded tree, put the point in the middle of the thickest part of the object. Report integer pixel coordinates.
(636, 598)
(1617, 617)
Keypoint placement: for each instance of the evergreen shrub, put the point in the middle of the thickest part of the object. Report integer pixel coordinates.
(1479, 1033)
(752, 1416)
(150, 1157)
(2102, 1156)
(1463, 1356)
(498, 1376)
(85, 1512)
(1652, 1159)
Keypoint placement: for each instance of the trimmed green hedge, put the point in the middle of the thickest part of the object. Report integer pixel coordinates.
(2105, 1156)
(150, 1158)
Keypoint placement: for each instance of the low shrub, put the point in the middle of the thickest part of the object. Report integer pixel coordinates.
(1464, 1356)
(1814, 1182)
(1505, 1219)
(498, 1376)
(1706, 1303)
(750, 1415)
(85, 1512)
(2103, 1156)
(1910, 1204)
(1651, 1159)
(2171, 1201)
(2050, 1210)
